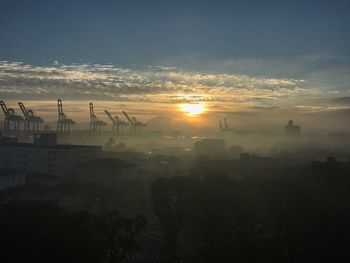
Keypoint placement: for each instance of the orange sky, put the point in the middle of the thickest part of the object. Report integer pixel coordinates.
(240, 115)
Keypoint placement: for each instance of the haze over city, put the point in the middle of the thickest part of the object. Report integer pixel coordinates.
(175, 131)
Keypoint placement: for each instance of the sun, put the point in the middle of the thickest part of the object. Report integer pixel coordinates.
(192, 109)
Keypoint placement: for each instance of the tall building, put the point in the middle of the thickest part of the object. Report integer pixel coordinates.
(45, 156)
(291, 129)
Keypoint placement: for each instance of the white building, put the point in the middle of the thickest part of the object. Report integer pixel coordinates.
(44, 156)
(11, 178)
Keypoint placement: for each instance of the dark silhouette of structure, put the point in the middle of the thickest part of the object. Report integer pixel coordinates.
(95, 123)
(118, 125)
(11, 117)
(135, 126)
(30, 118)
(291, 129)
(63, 123)
(223, 126)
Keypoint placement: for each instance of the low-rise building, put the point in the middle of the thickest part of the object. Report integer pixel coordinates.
(44, 156)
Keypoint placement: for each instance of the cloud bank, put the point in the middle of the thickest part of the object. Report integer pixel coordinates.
(149, 84)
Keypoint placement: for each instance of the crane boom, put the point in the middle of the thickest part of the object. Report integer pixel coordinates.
(128, 118)
(4, 107)
(23, 109)
(109, 116)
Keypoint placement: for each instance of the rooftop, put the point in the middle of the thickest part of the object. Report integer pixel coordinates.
(57, 146)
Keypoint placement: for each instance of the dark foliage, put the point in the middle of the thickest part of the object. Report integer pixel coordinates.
(275, 215)
(46, 233)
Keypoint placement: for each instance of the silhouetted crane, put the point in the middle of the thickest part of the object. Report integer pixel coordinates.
(95, 123)
(223, 127)
(30, 118)
(138, 125)
(135, 126)
(122, 124)
(10, 117)
(118, 125)
(132, 125)
(63, 123)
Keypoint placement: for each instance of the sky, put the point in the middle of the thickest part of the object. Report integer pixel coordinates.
(246, 60)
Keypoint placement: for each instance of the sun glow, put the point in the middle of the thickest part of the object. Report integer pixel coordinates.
(192, 109)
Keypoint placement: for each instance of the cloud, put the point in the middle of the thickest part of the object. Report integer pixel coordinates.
(149, 84)
(323, 75)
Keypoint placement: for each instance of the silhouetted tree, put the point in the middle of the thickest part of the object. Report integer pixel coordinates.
(46, 233)
(168, 197)
(213, 209)
(119, 234)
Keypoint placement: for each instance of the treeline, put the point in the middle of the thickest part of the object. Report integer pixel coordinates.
(275, 215)
(44, 232)
(299, 214)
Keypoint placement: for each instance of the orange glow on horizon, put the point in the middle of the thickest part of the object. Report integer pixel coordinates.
(193, 109)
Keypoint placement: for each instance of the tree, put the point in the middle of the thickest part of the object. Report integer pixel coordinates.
(168, 197)
(119, 234)
(46, 233)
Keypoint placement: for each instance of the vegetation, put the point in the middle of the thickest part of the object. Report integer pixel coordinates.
(274, 214)
(295, 215)
(45, 233)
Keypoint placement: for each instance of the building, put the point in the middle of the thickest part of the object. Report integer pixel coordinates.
(45, 156)
(11, 178)
(45, 139)
(106, 171)
(291, 129)
(210, 147)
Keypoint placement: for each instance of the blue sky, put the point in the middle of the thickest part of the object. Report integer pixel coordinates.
(143, 32)
(290, 55)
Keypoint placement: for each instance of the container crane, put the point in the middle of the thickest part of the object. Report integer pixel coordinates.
(95, 123)
(115, 127)
(10, 117)
(135, 126)
(122, 124)
(138, 125)
(118, 125)
(63, 123)
(223, 126)
(30, 118)
(132, 124)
